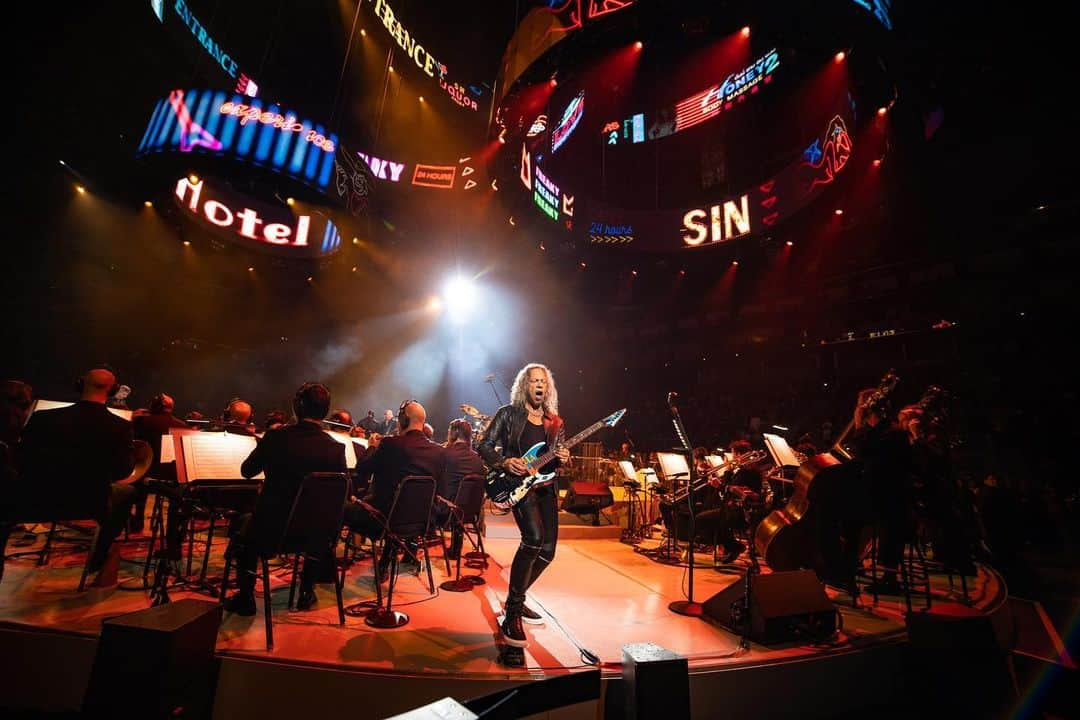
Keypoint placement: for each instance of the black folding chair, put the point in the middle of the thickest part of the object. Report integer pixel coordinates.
(410, 517)
(312, 530)
(465, 510)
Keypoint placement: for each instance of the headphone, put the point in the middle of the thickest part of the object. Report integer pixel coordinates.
(298, 398)
(81, 380)
(402, 418)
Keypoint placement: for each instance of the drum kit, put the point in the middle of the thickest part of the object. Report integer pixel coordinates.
(478, 420)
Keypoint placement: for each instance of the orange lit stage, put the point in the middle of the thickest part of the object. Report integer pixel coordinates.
(599, 594)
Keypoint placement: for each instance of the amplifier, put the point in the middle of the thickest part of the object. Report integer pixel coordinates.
(587, 497)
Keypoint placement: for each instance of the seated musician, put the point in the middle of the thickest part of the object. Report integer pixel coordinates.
(150, 428)
(70, 460)
(389, 460)
(285, 455)
(237, 419)
(461, 460)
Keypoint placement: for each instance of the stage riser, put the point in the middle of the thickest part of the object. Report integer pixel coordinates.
(49, 672)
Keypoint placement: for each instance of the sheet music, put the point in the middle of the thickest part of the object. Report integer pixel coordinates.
(627, 468)
(215, 456)
(350, 449)
(715, 461)
(673, 466)
(781, 452)
(168, 450)
(42, 405)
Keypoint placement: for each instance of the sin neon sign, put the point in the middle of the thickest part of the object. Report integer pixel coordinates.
(726, 221)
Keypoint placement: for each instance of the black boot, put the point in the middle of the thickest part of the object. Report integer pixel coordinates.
(512, 631)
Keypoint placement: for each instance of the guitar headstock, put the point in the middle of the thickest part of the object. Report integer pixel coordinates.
(613, 419)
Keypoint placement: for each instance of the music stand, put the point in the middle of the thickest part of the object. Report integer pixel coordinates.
(673, 467)
(630, 482)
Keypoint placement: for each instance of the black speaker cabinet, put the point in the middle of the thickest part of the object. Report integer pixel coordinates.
(156, 663)
(784, 606)
(587, 497)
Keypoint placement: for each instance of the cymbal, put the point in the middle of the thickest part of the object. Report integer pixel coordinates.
(469, 410)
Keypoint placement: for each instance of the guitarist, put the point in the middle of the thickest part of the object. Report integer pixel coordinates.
(531, 417)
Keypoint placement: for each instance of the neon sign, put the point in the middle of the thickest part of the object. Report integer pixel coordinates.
(190, 121)
(292, 236)
(380, 167)
(407, 42)
(709, 103)
(546, 195)
(286, 123)
(633, 129)
(600, 233)
(458, 95)
(568, 123)
(215, 51)
(434, 176)
(880, 9)
(729, 220)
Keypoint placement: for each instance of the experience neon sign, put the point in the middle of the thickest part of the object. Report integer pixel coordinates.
(711, 102)
(285, 123)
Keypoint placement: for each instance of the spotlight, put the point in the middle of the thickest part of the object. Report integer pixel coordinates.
(877, 162)
(554, 82)
(354, 268)
(363, 32)
(251, 269)
(746, 31)
(310, 279)
(789, 243)
(840, 56)
(459, 296)
(187, 243)
(63, 163)
(882, 110)
(193, 179)
(839, 211)
(634, 273)
(512, 220)
(638, 45)
(734, 263)
(290, 202)
(356, 241)
(80, 189)
(148, 204)
(391, 68)
(582, 266)
(421, 98)
(682, 272)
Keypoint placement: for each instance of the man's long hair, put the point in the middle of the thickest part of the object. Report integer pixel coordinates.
(520, 393)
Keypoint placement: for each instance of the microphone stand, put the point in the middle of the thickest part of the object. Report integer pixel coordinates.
(688, 606)
(491, 381)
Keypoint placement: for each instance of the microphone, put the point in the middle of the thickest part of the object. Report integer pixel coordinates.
(489, 378)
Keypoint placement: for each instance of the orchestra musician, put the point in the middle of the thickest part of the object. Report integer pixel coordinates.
(530, 418)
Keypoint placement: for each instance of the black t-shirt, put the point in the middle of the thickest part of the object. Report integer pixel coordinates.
(531, 435)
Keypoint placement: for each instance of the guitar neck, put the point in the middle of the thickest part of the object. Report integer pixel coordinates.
(581, 436)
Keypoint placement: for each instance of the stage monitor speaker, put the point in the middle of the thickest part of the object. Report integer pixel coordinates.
(784, 606)
(587, 497)
(537, 696)
(156, 663)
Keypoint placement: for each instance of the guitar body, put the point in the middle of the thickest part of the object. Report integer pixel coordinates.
(825, 524)
(504, 488)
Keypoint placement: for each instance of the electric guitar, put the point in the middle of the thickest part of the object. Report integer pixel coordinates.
(505, 489)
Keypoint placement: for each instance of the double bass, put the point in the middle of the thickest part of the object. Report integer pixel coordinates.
(825, 525)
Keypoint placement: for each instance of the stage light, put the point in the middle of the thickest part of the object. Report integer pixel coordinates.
(363, 32)
(512, 220)
(554, 82)
(877, 162)
(354, 268)
(310, 279)
(434, 304)
(734, 263)
(148, 204)
(187, 243)
(746, 31)
(839, 211)
(63, 163)
(459, 295)
(356, 241)
(682, 272)
(251, 269)
(638, 45)
(80, 189)
(882, 110)
(634, 273)
(840, 56)
(789, 243)
(582, 266)
(421, 98)
(391, 68)
(290, 202)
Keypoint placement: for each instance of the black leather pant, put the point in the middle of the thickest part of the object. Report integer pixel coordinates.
(537, 518)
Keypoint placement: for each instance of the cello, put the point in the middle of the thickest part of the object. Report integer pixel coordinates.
(825, 525)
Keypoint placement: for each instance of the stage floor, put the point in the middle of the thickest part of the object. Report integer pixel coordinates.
(599, 594)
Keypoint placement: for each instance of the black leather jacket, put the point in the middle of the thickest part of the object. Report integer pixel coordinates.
(505, 430)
